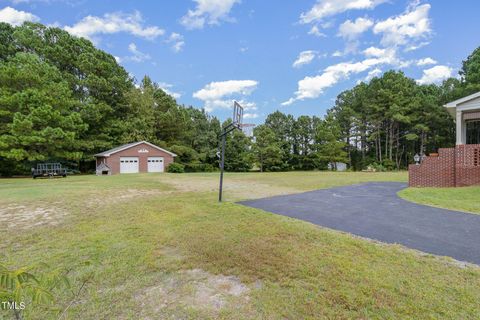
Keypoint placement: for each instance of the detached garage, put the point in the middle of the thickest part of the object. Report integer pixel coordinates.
(133, 158)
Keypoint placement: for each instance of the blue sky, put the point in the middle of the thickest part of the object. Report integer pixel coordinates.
(293, 56)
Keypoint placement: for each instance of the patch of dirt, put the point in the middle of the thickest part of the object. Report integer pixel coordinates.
(116, 196)
(192, 291)
(243, 190)
(134, 193)
(24, 217)
(170, 253)
(19, 216)
(234, 190)
(192, 185)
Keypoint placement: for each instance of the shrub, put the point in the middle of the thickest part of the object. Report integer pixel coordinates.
(176, 168)
(184, 154)
(376, 167)
(199, 167)
(385, 165)
(389, 164)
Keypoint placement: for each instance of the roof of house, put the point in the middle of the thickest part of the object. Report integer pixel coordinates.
(455, 103)
(468, 103)
(108, 153)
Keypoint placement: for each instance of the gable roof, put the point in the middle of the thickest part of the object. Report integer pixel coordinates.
(455, 103)
(108, 153)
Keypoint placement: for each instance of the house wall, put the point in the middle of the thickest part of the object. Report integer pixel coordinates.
(137, 151)
(454, 167)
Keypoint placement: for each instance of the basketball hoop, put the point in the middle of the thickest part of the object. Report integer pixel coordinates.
(247, 129)
(237, 120)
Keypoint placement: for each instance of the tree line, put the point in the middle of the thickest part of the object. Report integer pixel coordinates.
(381, 124)
(62, 99)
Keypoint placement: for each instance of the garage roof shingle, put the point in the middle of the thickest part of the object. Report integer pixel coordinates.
(129, 145)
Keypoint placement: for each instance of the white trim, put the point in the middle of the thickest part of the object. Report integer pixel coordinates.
(455, 103)
(136, 144)
(154, 146)
(457, 109)
(459, 128)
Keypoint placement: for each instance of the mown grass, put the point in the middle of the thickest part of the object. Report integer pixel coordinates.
(294, 270)
(465, 199)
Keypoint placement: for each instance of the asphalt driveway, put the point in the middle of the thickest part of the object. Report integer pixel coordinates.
(373, 210)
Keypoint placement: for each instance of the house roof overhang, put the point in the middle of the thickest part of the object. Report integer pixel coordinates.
(468, 103)
(108, 153)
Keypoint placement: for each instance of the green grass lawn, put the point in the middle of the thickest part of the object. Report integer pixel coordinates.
(465, 199)
(160, 246)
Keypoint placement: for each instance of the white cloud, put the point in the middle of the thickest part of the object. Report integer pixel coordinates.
(305, 57)
(113, 23)
(167, 87)
(326, 8)
(316, 32)
(249, 109)
(209, 12)
(435, 74)
(177, 42)
(137, 56)
(178, 46)
(16, 17)
(250, 115)
(413, 25)
(426, 61)
(372, 74)
(313, 87)
(374, 52)
(352, 29)
(337, 53)
(416, 46)
(389, 55)
(247, 105)
(216, 90)
(217, 94)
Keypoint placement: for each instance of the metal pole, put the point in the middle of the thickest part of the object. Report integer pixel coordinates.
(222, 164)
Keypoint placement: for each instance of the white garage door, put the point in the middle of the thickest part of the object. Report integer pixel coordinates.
(128, 164)
(155, 164)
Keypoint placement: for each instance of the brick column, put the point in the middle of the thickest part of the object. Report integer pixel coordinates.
(467, 165)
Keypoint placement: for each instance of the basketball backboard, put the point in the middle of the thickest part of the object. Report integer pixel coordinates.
(237, 114)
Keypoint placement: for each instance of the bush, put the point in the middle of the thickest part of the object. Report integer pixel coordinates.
(376, 167)
(385, 165)
(389, 164)
(176, 168)
(199, 167)
(184, 154)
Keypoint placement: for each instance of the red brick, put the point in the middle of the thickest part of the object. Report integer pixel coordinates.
(454, 167)
(113, 161)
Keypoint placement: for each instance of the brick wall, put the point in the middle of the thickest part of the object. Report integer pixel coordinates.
(459, 166)
(467, 165)
(114, 160)
(434, 171)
